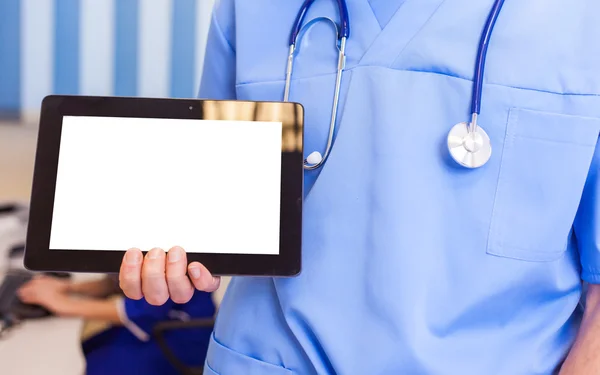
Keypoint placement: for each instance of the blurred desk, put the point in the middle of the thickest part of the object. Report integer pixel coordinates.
(17, 157)
(54, 343)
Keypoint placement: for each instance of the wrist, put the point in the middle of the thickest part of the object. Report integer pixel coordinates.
(64, 305)
(71, 288)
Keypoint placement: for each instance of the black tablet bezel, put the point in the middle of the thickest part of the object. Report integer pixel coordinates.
(38, 256)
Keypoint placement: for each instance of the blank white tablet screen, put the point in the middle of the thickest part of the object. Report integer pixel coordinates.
(208, 186)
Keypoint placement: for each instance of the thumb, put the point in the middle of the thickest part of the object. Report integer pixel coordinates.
(202, 278)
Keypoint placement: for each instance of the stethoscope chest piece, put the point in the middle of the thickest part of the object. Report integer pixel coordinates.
(470, 148)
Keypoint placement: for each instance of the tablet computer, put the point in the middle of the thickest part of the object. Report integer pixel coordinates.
(222, 179)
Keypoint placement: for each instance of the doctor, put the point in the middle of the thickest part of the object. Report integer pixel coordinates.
(429, 247)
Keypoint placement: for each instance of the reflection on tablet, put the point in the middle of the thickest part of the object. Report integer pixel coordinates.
(210, 186)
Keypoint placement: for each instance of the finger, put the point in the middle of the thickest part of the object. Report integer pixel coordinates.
(30, 287)
(27, 288)
(24, 295)
(154, 283)
(180, 287)
(38, 283)
(202, 278)
(26, 285)
(130, 275)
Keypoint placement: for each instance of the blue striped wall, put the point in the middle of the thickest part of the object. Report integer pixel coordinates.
(99, 47)
(66, 46)
(126, 56)
(10, 58)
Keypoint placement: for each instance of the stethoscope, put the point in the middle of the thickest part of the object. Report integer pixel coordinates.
(468, 144)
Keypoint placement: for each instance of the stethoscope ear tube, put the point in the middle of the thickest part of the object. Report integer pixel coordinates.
(315, 159)
(344, 28)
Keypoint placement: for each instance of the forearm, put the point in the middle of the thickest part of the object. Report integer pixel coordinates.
(96, 288)
(584, 358)
(91, 309)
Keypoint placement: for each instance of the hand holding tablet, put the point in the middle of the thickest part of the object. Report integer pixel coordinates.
(221, 179)
(159, 276)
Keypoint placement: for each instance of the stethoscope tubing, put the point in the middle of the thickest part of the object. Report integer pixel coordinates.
(344, 29)
(482, 56)
(341, 46)
(474, 134)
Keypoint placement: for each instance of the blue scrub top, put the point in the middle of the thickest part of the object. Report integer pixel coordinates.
(412, 264)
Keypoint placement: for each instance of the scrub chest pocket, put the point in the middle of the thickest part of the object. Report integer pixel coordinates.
(229, 362)
(544, 165)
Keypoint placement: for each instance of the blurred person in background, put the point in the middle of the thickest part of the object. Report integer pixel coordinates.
(116, 337)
